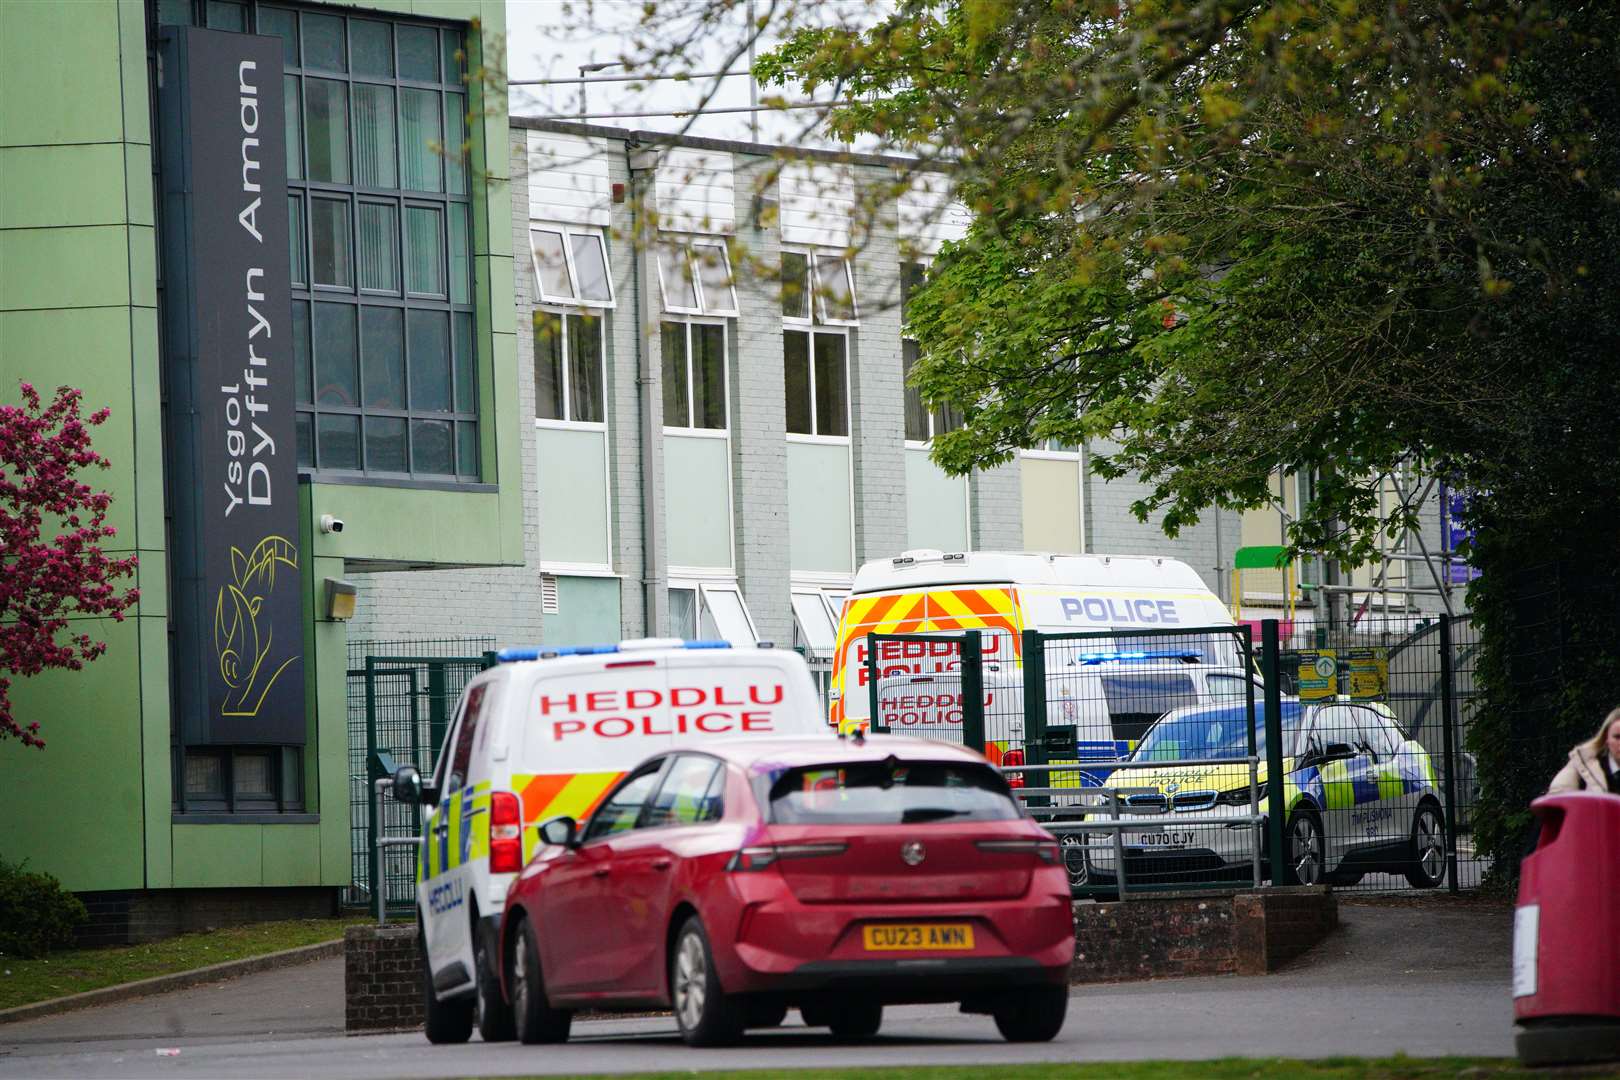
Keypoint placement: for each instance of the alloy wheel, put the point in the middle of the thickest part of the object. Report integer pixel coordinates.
(691, 981)
(1431, 844)
(520, 975)
(1306, 845)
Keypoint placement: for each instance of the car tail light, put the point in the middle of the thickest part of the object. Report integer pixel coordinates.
(1014, 757)
(1045, 850)
(758, 858)
(505, 833)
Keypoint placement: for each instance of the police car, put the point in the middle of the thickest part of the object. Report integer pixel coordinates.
(547, 733)
(1360, 797)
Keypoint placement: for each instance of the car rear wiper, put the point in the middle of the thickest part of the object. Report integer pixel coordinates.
(928, 813)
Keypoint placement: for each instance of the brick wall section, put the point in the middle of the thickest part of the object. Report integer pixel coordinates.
(759, 415)
(502, 601)
(877, 385)
(382, 979)
(997, 509)
(128, 917)
(1178, 935)
(623, 400)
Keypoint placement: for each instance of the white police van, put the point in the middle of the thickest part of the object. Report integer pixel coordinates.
(545, 733)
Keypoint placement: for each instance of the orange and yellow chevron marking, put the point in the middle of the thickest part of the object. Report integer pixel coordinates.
(918, 613)
(549, 795)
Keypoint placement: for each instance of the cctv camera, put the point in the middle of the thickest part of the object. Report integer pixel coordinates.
(331, 524)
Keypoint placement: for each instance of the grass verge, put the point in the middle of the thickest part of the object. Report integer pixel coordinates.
(74, 971)
(1395, 1068)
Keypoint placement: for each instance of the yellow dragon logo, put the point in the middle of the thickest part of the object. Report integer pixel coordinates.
(243, 646)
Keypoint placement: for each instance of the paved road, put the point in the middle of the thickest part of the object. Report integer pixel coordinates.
(1425, 980)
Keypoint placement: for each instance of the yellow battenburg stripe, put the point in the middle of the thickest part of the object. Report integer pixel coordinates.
(452, 848)
(1338, 790)
(478, 842)
(1390, 785)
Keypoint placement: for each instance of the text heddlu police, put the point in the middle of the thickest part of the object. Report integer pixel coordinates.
(680, 710)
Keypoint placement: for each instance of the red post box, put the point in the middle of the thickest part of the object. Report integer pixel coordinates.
(1566, 933)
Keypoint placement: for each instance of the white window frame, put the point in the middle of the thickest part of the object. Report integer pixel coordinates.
(684, 245)
(568, 383)
(849, 415)
(688, 428)
(817, 305)
(832, 609)
(1046, 451)
(568, 232)
(704, 587)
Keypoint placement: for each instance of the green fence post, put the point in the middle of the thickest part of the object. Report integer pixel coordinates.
(372, 824)
(1034, 657)
(1449, 743)
(1281, 872)
(972, 655)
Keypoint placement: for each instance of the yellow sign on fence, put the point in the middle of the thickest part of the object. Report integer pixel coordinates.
(1369, 674)
(1318, 674)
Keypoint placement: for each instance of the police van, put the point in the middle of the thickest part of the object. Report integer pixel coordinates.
(547, 732)
(1109, 688)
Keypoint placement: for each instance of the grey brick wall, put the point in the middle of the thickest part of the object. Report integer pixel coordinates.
(382, 979)
(759, 419)
(877, 389)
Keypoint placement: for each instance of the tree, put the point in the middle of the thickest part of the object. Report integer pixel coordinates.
(51, 580)
(1229, 237)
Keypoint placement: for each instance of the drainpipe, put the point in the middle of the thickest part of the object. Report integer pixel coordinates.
(654, 562)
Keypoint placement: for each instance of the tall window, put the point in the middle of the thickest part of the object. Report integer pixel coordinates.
(694, 358)
(922, 423)
(818, 299)
(572, 282)
(380, 232)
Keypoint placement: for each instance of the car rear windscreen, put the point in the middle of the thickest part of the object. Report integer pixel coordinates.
(889, 793)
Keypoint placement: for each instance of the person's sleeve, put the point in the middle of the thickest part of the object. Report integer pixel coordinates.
(1568, 779)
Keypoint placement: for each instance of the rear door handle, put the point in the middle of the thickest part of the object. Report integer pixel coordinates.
(600, 871)
(662, 864)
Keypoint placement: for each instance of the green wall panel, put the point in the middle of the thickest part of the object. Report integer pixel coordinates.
(587, 612)
(58, 347)
(215, 856)
(62, 60)
(156, 759)
(64, 268)
(74, 809)
(292, 854)
(47, 186)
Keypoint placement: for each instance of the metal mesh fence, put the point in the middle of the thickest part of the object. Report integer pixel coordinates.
(1392, 695)
(1167, 732)
(402, 696)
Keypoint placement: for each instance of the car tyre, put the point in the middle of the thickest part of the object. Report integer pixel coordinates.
(491, 1014)
(1035, 1015)
(1426, 865)
(533, 1017)
(1306, 847)
(706, 1015)
(444, 1021)
(856, 1019)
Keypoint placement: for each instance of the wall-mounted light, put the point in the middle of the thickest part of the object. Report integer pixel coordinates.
(340, 598)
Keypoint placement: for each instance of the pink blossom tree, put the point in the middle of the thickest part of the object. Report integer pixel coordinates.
(46, 579)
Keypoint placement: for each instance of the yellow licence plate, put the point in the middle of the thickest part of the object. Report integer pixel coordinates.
(894, 936)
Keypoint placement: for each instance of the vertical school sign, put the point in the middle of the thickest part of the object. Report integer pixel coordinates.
(228, 366)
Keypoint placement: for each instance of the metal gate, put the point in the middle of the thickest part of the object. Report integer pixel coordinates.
(402, 697)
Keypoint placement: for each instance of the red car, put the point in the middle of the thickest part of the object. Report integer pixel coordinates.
(831, 876)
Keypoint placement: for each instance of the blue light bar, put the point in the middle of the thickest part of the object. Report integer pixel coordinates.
(542, 652)
(1136, 654)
